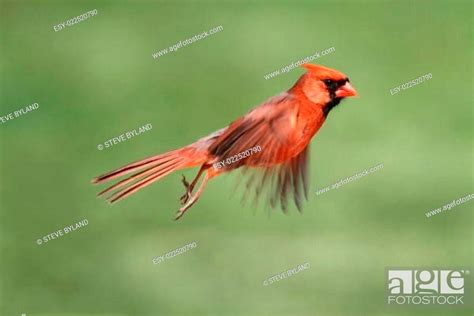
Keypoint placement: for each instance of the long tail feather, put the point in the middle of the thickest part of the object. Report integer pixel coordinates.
(134, 166)
(151, 169)
(148, 170)
(123, 193)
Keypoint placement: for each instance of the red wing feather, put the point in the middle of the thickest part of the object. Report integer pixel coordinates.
(269, 126)
(279, 183)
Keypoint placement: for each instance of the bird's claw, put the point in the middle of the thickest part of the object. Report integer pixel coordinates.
(181, 212)
(186, 194)
(185, 183)
(185, 197)
(178, 215)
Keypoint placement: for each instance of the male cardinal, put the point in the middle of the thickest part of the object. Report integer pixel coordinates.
(282, 126)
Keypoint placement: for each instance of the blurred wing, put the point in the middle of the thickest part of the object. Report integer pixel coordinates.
(279, 183)
(269, 126)
(275, 169)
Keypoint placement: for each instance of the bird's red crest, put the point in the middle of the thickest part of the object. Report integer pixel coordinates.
(321, 72)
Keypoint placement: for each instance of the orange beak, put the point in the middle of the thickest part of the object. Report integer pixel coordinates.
(346, 91)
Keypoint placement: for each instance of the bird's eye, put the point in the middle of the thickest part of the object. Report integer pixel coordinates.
(328, 82)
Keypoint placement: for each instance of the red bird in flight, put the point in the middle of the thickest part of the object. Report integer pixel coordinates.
(282, 127)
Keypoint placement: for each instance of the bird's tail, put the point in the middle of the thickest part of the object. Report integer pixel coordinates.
(149, 170)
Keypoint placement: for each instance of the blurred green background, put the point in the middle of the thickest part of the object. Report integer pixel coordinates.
(97, 79)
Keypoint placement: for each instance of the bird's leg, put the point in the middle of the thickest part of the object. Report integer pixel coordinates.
(189, 187)
(193, 198)
(187, 193)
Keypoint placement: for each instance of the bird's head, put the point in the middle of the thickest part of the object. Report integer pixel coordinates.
(325, 87)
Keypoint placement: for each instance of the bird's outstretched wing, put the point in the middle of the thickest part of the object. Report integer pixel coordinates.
(276, 168)
(268, 126)
(275, 185)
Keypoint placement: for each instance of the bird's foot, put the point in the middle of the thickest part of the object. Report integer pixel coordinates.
(186, 194)
(182, 210)
(178, 215)
(188, 200)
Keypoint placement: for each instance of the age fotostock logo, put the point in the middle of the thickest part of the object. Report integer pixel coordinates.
(422, 286)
